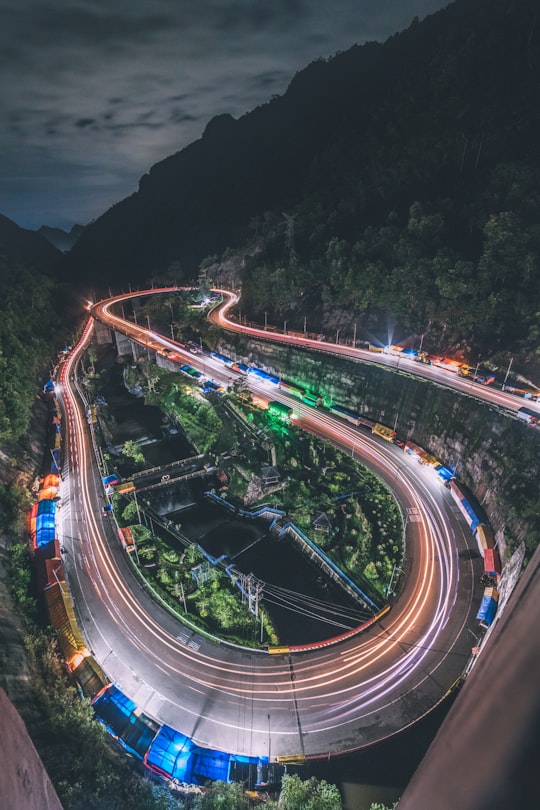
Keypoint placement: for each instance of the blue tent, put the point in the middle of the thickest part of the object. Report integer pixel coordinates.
(135, 731)
(55, 463)
(488, 609)
(170, 755)
(208, 764)
(45, 522)
(444, 472)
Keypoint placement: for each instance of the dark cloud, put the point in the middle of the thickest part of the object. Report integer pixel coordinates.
(180, 117)
(94, 93)
(268, 79)
(252, 16)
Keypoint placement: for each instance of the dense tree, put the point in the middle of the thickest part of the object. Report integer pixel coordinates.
(223, 796)
(311, 794)
(28, 331)
(132, 451)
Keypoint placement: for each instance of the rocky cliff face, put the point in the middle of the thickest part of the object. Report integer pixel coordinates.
(24, 783)
(494, 454)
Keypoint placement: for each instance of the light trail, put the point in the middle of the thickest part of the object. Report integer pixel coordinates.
(447, 379)
(221, 696)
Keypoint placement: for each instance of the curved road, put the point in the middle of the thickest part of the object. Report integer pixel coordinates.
(501, 399)
(315, 703)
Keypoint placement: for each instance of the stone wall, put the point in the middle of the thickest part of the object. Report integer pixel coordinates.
(495, 455)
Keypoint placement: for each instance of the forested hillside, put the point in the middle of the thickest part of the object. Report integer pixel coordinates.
(33, 314)
(464, 276)
(408, 172)
(33, 319)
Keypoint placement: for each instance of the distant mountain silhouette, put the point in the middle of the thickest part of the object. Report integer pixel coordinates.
(62, 240)
(27, 247)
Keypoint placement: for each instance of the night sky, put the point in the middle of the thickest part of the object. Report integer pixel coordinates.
(93, 93)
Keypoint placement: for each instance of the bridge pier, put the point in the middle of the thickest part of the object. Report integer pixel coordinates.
(103, 334)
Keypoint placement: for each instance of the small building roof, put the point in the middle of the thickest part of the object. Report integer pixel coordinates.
(322, 521)
(270, 475)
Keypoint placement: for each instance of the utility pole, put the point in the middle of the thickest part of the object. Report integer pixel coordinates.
(475, 375)
(243, 582)
(137, 505)
(507, 373)
(254, 593)
(393, 580)
(259, 587)
(354, 337)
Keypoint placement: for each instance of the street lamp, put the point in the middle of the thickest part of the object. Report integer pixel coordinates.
(393, 580)
(337, 336)
(507, 373)
(148, 339)
(474, 375)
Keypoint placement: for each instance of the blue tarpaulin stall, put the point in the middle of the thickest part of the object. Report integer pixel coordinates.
(113, 708)
(488, 606)
(166, 752)
(170, 755)
(444, 472)
(45, 522)
(55, 463)
(134, 730)
(45, 535)
(207, 764)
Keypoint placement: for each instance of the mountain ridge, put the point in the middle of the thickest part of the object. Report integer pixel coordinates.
(27, 247)
(408, 168)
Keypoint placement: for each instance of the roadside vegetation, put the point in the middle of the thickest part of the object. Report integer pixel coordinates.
(83, 763)
(334, 500)
(28, 335)
(180, 575)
